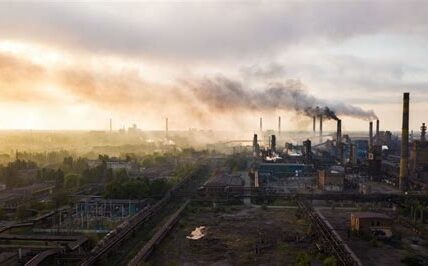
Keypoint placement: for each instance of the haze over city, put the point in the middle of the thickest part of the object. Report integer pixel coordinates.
(210, 65)
(214, 133)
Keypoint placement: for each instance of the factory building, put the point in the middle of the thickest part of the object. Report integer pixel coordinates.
(376, 224)
(267, 174)
(331, 180)
(418, 163)
(225, 180)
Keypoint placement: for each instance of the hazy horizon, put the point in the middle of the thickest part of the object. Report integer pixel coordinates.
(73, 66)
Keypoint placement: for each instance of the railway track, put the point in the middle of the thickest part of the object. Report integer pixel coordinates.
(330, 241)
(147, 249)
(122, 232)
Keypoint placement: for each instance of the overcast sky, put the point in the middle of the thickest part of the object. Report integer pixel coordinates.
(211, 64)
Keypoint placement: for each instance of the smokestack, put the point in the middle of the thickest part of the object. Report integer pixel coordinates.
(314, 124)
(279, 125)
(339, 132)
(273, 143)
(404, 171)
(377, 140)
(261, 124)
(166, 128)
(255, 146)
(371, 134)
(320, 125)
(111, 125)
(423, 132)
(255, 140)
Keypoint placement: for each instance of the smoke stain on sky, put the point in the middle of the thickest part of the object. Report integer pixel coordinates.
(208, 73)
(126, 90)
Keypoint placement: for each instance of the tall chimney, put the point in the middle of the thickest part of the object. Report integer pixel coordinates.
(371, 134)
(423, 132)
(279, 125)
(377, 139)
(320, 125)
(314, 124)
(255, 146)
(166, 128)
(339, 132)
(273, 143)
(261, 125)
(255, 142)
(404, 160)
(111, 125)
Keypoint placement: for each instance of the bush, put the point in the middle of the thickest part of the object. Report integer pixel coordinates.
(330, 261)
(303, 259)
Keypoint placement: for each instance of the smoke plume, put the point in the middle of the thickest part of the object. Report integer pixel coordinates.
(191, 99)
(222, 94)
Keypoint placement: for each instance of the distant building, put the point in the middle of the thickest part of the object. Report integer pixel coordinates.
(377, 224)
(225, 180)
(362, 147)
(331, 179)
(268, 172)
(419, 159)
(116, 164)
(134, 129)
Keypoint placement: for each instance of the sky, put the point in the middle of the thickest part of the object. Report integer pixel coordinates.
(211, 65)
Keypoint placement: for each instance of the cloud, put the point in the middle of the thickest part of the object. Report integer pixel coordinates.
(201, 31)
(127, 91)
(19, 80)
(265, 72)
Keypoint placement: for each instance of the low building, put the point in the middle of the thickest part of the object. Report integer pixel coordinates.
(225, 180)
(266, 172)
(377, 224)
(331, 180)
(116, 164)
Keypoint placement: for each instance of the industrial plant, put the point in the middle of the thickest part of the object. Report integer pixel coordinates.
(213, 133)
(314, 196)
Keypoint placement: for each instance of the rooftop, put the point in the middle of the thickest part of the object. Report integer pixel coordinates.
(370, 215)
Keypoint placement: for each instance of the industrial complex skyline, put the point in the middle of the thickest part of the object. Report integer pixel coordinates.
(211, 65)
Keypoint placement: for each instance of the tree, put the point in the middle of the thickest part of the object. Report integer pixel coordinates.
(330, 261)
(72, 180)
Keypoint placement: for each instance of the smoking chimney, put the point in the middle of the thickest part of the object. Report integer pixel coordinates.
(166, 128)
(321, 125)
(377, 139)
(314, 124)
(261, 125)
(279, 125)
(371, 134)
(339, 132)
(404, 171)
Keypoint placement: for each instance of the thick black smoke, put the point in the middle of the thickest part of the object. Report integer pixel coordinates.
(325, 112)
(222, 94)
